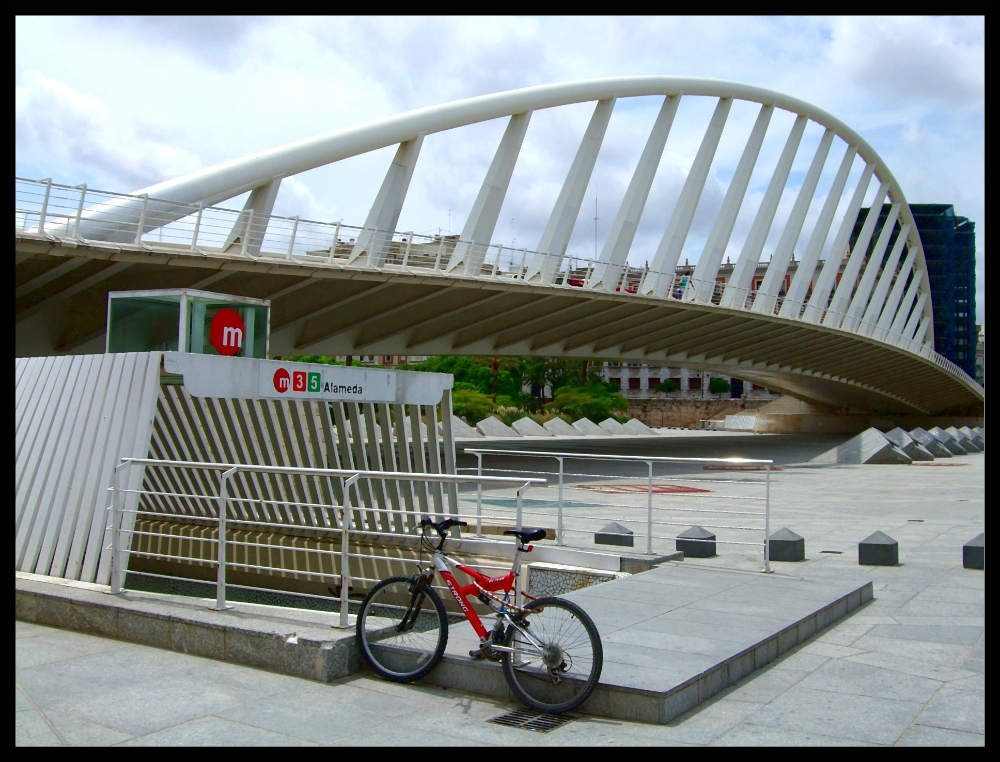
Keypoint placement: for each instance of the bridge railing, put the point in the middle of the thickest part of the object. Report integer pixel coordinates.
(82, 214)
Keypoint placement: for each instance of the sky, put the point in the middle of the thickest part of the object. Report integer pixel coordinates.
(122, 103)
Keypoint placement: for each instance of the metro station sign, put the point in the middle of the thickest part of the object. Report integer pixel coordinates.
(324, 382)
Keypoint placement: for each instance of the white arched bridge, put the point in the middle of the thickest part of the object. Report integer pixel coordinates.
(851, 330)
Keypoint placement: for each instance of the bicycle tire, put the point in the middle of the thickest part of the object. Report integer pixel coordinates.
(568, 631)
(408, 655)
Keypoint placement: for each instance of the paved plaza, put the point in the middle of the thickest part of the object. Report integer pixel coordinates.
(908, 668)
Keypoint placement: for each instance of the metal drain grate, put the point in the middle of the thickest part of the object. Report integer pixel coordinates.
(834, 552)
(528, 719)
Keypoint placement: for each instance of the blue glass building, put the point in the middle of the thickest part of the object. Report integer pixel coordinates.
(950, 250)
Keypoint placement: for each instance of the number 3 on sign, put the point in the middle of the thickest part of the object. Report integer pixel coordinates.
(298, 381)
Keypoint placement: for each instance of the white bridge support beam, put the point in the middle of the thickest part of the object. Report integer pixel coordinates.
(899, 319)
(860, 299)
(482, 221)
(841, 297)
(660, 277)
(799, 286)
(892, 303)
(739, 282)
(775, 275)
(817, 304)
(707, 269)
(249, 229)
(915, 317)
(619, 241)
(875, 304)
(383, 217)
(552, 246)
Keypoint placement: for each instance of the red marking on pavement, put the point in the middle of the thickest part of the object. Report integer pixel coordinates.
(658, 489)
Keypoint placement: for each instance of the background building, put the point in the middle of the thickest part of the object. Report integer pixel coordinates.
(950, 251)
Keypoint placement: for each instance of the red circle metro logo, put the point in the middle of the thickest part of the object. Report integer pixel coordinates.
(282, 381)
(227, 332)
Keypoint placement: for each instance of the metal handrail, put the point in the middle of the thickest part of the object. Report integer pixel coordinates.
(350, 476)
(561, 457)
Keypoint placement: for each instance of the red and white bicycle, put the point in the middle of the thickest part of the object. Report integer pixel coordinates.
(549, 648)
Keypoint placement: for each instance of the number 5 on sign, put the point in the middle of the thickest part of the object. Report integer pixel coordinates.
(315, 382)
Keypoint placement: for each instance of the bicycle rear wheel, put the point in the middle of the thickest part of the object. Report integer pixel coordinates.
(402, 633)
(559, 660)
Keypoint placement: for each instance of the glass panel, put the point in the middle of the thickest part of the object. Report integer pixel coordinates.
(249, 333)
(144, 324)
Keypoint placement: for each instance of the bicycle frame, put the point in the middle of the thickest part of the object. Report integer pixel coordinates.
(481, 585)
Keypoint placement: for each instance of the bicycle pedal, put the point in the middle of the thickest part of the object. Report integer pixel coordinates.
(476, 654)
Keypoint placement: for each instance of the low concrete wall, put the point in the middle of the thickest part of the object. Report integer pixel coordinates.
(686, 413)
(789, 415)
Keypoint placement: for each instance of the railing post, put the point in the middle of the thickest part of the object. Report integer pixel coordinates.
(496, 264)
(767, 521)
(116, 583)
(142, 219)
(345, 568)
(518, 521)
(45, 205)
(336, 240)
(79, 210)
(524, 257)
(479, 496)
(220, 580)
(246, 234)
(409, 242)
(437, 259)
(560, 539)
(649, 510)
(197, 227)
(291, 242)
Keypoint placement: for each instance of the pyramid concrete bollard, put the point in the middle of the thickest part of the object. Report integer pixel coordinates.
(560, 428)
(947, 440)
(589, 428)
(461, 430)
(612, 427)
(974, 436)
(632, 426)
(930, 443)
(878, 549)
(696, 542)
(908, 444)
(870, 447)
(494, 427)
(529, 428)
(785, 545)
(963, 439)
(615, 534)
(974, 552)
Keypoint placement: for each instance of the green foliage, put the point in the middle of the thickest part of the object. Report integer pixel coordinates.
(476, 374)
(719, 386)
(667, 386)
(596, 401)
(472, 405)
(317, 359)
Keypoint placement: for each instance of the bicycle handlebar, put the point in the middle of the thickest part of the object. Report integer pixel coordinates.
(442, 527)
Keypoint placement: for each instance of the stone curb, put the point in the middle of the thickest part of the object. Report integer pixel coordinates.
(243, 635)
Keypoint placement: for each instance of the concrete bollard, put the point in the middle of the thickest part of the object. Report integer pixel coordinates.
(974, 552)
(696, 542)
(785, 545)
(878, 549)
(615, 534)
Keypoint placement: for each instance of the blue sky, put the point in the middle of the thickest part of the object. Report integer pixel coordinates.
(121, 103)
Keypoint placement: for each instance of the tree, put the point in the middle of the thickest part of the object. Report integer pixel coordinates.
(667, 386)
(472, 405)
(596, 401)
(719, 386)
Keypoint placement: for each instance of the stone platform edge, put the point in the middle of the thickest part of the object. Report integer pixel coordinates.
(641, 705)
(304, 644)
(291, 642)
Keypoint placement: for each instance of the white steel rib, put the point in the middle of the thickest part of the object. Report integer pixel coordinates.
(553, 303)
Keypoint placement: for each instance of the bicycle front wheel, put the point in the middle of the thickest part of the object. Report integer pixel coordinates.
(558, 656)
(402, 631)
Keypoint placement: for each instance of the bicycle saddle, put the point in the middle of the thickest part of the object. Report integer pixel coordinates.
(527, 535)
